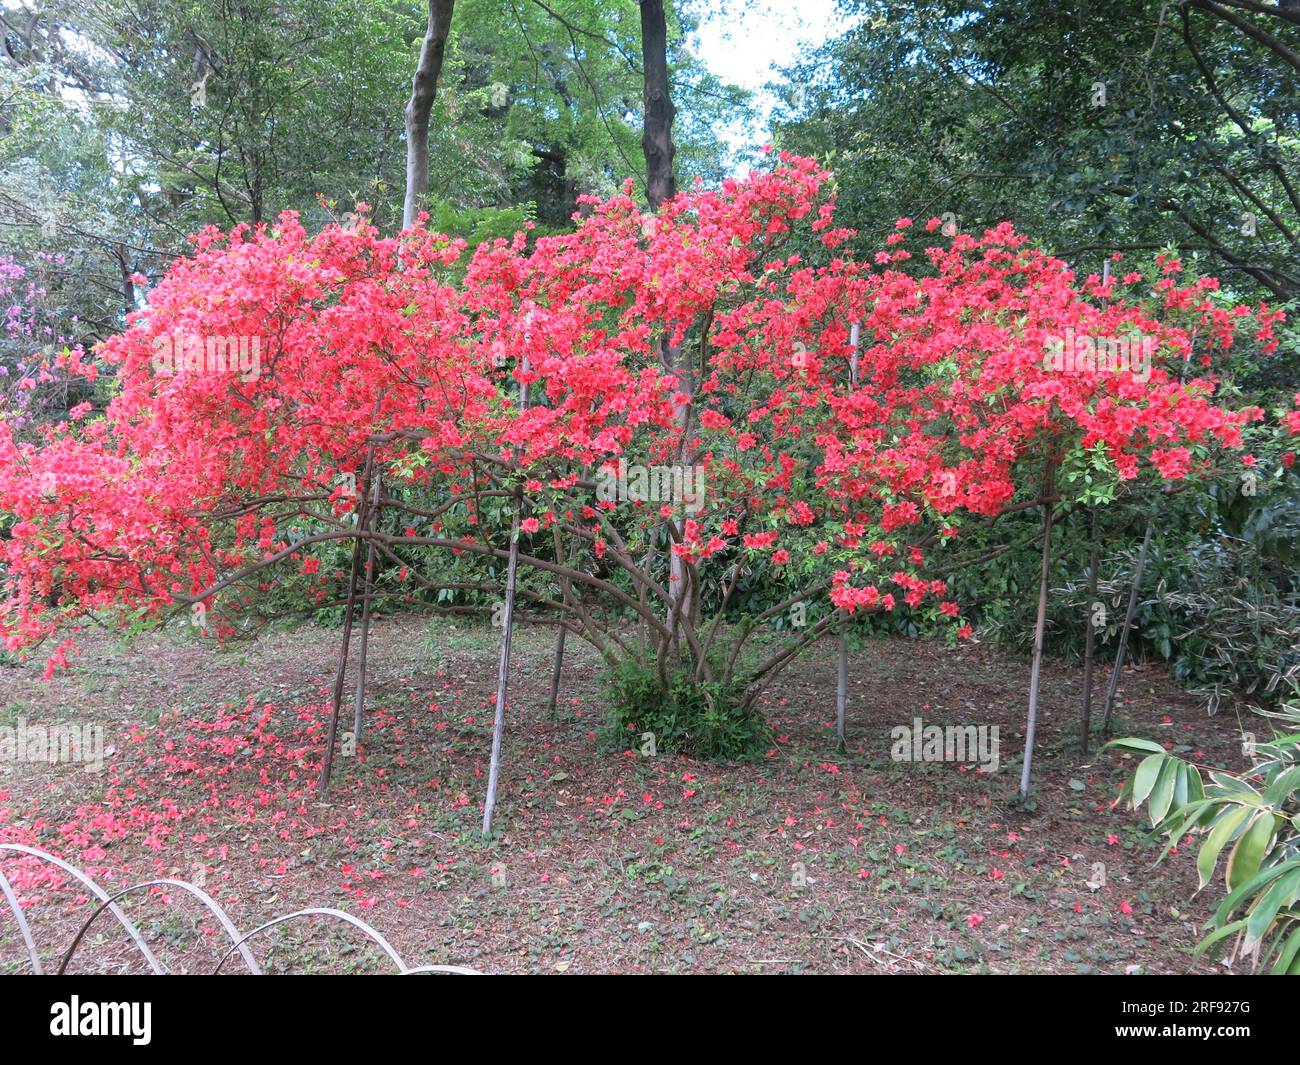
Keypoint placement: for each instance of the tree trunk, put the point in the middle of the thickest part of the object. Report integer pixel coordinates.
(660, 186)
(657, 135)
(340, 674)
(424, 88)
(559, 667)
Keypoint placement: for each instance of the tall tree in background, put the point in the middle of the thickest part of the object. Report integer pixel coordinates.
(124, 128)
(1115, 125)
(147, 122)
(424, 88)
(657, 136)
(661, 185)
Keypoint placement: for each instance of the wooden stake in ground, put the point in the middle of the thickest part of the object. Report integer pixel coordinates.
(841, 690)
(359, 699)
(1131, 610)
(507, 628)
(1129, 613)
(1090, 641)
(1040, 627)
(565, 589)
(842, 671)
(340, 673)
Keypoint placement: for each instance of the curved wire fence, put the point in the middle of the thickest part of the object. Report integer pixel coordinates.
(238, 940)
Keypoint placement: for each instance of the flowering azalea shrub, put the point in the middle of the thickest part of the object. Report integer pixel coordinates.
(31, 389)
(669, 405)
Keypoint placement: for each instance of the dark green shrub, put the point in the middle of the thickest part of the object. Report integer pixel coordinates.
(702, 719)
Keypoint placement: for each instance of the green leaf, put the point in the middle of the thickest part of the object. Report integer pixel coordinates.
(1290, 740)
(1191, 814)
(1233, 786)
(1251, 888)
(1282, 893)
(1145, 777)
(1136, 745)
(1246, 856)
(1277, 792)
(1289, 960)
(1162, 795)
(1230, 820)
(1227, 930)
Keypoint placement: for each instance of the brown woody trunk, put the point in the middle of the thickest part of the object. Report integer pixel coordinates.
(424, 88)
(657, 136)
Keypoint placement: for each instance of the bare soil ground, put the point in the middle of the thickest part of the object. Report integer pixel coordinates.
(813, 861)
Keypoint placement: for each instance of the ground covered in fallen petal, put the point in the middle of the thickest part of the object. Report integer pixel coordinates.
(814, 860)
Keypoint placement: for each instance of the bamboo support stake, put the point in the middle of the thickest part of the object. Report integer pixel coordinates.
(1129, 613)
(841, 690)
(1040, 627)
(563, 634)
(842, 670)
(359, 698)
(507, 627)
(1090, 641)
